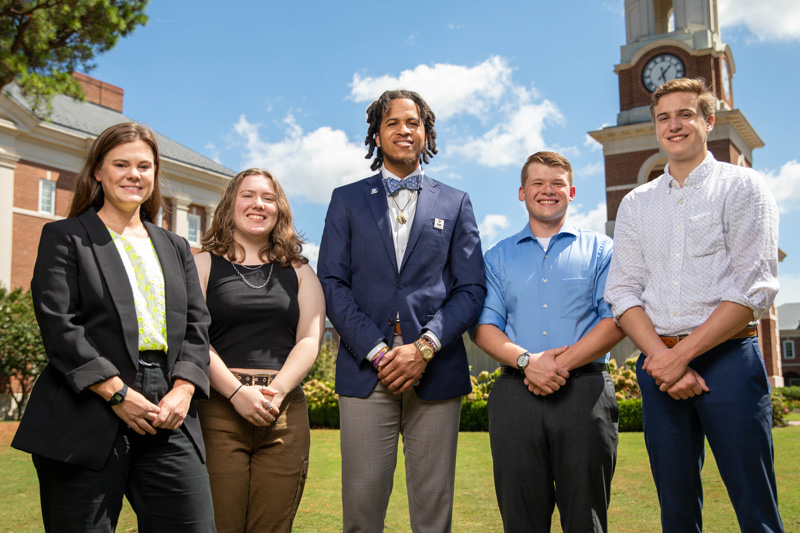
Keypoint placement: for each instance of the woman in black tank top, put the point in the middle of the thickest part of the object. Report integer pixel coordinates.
(267, 318)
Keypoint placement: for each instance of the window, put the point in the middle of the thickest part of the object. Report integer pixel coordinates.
(194, 228)
(47, 196)
(788, 349)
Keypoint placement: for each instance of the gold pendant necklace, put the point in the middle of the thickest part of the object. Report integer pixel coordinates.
(402, 218)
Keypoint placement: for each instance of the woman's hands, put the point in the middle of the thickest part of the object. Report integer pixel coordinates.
(255, 406)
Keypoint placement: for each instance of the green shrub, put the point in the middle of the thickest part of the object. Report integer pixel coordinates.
(790, 393)
(630, 415)
(324, 368)
(323, 404)
(780, 407)
(474, 415)
(624, 377)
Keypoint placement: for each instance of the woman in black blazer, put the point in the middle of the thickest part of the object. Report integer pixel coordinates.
(125, 328)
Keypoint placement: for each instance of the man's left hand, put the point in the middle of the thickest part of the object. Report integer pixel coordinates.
(665, 367)
(174, 405)
(401, 368)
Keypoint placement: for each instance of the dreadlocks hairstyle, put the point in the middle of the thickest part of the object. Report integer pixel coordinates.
(375, 113)
(284, 245)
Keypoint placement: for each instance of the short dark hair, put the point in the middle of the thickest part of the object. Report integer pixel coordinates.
(550, 159)
(375, 113)
(705, 98)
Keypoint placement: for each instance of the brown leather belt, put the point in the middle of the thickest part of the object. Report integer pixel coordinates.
(747, 331)
(255, 379)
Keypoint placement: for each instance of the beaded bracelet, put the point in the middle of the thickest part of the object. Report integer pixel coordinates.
(378, 357)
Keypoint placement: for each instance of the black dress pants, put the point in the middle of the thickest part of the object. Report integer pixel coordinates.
(559, 449)
(162, 476)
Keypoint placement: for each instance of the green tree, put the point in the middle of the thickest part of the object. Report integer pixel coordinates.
(22, 355)
(43, 41)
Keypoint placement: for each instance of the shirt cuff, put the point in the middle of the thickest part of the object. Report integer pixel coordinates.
(437, 344)
(378, 347)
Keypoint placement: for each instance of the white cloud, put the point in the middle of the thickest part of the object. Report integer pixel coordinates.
(591, 144)
(453, 26)
(593, 220)
(590, 170)
(785, 185)
(309, 164)
(311, 251)
(491, 226)
(776, 20)
(449, 89)
(511, 141)
(790, 289)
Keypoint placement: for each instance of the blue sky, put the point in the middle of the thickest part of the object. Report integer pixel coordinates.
(284, 86)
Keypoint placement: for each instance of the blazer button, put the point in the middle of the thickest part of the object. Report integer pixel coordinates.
(399, 286)
(391, 322)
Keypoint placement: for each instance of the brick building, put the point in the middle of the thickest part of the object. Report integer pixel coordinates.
(789, 323)
(40, 158)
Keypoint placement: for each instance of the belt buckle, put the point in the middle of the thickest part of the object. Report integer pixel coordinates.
(266, 378)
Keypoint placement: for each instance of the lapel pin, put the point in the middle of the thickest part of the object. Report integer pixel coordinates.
(374, 190)
(438, 223)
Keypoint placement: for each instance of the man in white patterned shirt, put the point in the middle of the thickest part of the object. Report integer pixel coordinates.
(695, 264)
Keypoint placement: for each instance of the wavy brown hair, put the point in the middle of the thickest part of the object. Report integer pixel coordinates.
(89, 192)
(285, 245)
(705, 98)
(375, 113)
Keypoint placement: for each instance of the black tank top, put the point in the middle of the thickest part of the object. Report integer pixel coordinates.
(252, 328)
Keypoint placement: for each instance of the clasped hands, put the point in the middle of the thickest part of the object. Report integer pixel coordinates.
(401, 368)
(258, 405)
(544, 375)
(143, 416)
(673, 375)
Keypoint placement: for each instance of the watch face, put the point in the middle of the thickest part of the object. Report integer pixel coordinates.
(661, 69)
(522, 360)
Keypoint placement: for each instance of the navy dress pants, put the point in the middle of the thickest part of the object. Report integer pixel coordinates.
(736, 417)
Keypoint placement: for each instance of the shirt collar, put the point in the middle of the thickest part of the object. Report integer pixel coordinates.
(696, 176)
(385, 174)
(527, 233)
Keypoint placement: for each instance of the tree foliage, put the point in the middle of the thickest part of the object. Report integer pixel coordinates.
(43, 41)
(22, 355)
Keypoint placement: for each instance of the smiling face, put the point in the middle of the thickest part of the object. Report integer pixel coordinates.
(255, 208)
(682, 131)
(547, 194)
(401, 137)
(127, 175)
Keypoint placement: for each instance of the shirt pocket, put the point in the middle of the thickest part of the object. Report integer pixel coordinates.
(576, 297)
(704, 235)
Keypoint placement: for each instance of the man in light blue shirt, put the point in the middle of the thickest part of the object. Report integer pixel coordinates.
(553, 413)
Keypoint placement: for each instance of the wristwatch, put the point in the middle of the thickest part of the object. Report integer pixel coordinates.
(523, 360)
(119, 396)
(427, 352)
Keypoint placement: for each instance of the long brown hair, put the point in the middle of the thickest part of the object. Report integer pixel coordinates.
(89, 191)
(284, 245)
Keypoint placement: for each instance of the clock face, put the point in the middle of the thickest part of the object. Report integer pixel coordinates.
(726, 78)
(661, 69)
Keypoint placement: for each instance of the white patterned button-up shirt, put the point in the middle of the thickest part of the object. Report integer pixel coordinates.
(680, 251)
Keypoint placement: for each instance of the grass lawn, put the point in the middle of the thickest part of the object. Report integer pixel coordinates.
(634, 506)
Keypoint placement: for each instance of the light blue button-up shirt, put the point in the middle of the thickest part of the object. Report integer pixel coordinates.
(546, 299)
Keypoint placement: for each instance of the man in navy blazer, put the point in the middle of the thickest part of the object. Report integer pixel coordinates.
(400, 263)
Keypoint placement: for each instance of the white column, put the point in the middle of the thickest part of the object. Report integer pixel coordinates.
(180, 220)
(8, 163)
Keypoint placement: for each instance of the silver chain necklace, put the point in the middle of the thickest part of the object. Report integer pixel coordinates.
(269, 277)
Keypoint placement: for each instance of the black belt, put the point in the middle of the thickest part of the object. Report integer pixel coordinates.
(255, 379)
(591, 368)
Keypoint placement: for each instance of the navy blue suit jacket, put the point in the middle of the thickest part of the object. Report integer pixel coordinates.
(439, 286)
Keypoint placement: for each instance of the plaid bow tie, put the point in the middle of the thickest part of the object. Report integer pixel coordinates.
(413, 183)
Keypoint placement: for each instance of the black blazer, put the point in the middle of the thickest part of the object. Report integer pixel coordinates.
(84, 305)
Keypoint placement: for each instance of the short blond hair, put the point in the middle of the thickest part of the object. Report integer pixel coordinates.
(550, 159)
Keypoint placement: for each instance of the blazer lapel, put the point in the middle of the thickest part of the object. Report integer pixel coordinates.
(425, 203)
(379, 208)
(113, 271)
(174, 295)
